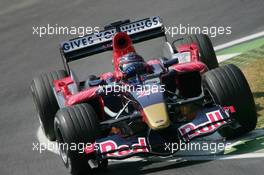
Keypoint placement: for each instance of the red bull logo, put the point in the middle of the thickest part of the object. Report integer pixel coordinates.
(113, 150)
(207, 124)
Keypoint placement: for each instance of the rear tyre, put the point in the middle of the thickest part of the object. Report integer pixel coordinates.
(77, 125)
(228, 86)
(45, 101)
(206, 49)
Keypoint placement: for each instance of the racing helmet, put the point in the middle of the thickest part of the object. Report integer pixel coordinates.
(132, 64)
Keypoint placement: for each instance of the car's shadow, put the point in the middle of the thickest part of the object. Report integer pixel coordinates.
(144, 167)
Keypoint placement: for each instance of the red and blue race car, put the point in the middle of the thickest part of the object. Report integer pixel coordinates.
(141, 105)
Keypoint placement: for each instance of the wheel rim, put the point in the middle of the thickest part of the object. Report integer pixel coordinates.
(63, 148)
(208, 94)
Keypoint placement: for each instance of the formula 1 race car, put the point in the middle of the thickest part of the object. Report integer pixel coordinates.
(141, 105)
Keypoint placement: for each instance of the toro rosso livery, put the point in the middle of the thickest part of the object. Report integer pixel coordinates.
(141, 105)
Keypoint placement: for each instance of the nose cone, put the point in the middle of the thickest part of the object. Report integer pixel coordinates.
(156, 116)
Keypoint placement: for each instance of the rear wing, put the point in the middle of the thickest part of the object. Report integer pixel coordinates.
(139, 31)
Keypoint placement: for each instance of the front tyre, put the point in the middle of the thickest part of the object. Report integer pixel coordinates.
(74, 126)
(45, 101)
(228, 86)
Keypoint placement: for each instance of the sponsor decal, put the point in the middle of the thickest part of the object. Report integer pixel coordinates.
(184, 57)
(207, 123)
(107, 35)
(112, 149)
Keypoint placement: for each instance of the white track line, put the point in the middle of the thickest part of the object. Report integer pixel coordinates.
(222, 58)
(238, 41)
(50, 146)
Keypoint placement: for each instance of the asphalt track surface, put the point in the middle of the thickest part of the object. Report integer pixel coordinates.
(24, 56)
